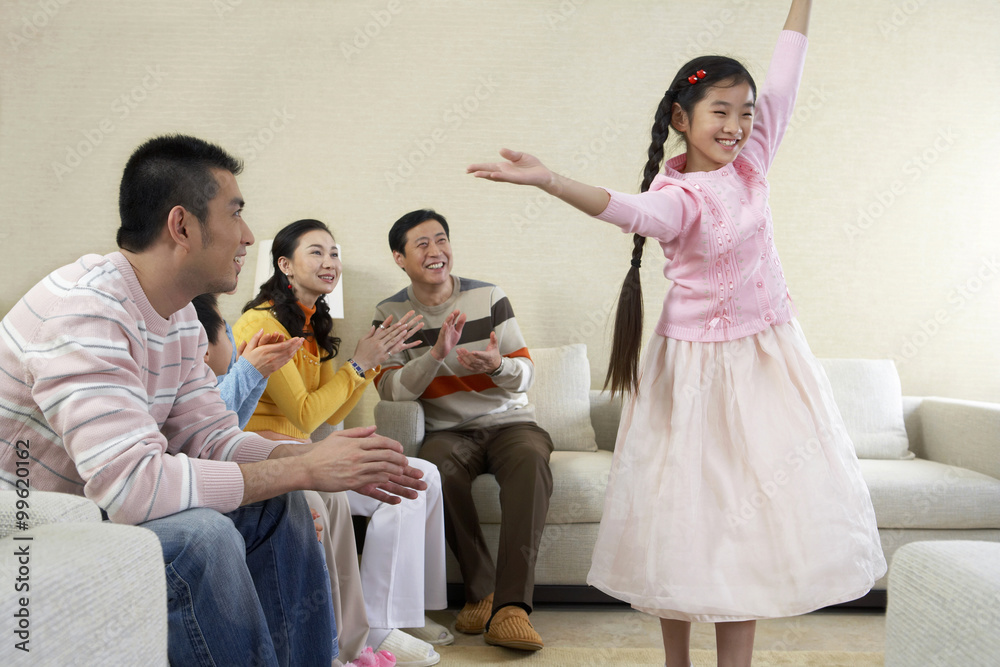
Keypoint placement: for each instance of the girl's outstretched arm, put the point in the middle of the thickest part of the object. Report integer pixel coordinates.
(798, 16)
(524, 169)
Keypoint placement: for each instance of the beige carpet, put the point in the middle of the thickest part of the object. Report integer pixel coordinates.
(460, 656)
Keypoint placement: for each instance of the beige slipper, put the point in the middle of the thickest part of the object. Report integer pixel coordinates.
(511, 628)
(472, 619)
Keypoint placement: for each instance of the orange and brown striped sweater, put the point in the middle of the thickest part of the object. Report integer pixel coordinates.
(452, 396)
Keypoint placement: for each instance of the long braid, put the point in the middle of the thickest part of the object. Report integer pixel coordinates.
(623, 369)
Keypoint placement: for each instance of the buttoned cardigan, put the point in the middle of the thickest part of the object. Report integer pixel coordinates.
(715, 227)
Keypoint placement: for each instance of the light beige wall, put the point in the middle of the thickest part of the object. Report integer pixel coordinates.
(881, 194)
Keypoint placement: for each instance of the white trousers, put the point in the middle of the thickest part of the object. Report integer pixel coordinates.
(403, 561)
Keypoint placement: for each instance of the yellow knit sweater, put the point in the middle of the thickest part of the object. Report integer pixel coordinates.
(303, 393)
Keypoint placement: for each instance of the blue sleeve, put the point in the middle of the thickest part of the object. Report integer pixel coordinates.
(241, 388)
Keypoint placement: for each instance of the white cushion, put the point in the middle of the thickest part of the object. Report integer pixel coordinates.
(931, 495)
(561, 396)
(870, 399)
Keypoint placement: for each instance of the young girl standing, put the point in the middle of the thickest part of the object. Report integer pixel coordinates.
(735, 492)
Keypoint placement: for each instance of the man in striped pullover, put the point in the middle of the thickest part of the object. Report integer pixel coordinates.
(470, 374)
(103, 382)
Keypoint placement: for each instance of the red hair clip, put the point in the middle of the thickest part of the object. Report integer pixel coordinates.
(693, 79)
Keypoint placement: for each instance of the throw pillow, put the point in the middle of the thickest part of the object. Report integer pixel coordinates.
(561, 396)
(870, 398)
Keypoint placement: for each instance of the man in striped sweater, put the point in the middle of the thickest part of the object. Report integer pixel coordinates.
(470, 374)
(103, 382)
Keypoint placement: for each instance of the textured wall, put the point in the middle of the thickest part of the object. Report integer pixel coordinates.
(356, 112)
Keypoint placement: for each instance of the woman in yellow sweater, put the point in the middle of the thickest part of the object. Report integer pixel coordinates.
(372, 603)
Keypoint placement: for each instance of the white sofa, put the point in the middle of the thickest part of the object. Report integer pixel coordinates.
(932, 464)
(92, 592)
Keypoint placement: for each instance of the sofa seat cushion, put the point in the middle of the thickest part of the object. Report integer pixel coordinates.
(578, 482)
(925, 494)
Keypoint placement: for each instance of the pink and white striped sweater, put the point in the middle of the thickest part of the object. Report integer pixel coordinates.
(113, 402)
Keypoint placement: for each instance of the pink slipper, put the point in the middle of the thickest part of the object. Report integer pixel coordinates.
(369, 658)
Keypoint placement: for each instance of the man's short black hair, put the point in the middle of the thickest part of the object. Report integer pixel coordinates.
(207, 307)
(164, 172)
(397, 235)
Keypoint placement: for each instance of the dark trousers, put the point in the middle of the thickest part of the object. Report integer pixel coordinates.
(518, 456)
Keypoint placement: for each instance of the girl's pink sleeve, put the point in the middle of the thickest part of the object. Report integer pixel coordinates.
(776, 100)
(662, 214)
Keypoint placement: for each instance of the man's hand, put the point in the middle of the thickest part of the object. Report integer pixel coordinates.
(269, 352)
(359, 460)
(486, 361)
(449, 335)
(353, 460)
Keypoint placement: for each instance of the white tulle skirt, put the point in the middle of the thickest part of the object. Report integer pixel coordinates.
(735, 493)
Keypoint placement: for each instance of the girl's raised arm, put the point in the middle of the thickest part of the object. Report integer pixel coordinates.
(524, 169)
(798, 16)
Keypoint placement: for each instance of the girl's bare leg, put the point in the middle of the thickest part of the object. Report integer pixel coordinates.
(676, 642)
(734, 642)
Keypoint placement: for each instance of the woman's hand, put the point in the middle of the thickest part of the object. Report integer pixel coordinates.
(387, 339)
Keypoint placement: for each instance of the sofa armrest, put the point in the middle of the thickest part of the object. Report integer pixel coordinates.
(95, 594)
(44, 507)
(605, 412)
(402, 421)
(962, 433)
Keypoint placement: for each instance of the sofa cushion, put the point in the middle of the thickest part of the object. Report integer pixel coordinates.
(927, 494)
(870, 399)
(578, 482)
(561, 396)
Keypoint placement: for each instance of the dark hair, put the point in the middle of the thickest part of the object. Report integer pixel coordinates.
(165, 172)
(719, 71)
(397, 234)
(277, 291)
(207, 308)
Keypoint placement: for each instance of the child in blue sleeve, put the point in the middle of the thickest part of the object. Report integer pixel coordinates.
(242, 372)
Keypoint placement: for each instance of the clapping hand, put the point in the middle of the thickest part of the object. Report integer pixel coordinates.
(269, 352)
(387, 339)
(449, 335)
(485, 361)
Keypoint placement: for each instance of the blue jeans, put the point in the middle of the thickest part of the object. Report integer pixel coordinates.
(248, 587)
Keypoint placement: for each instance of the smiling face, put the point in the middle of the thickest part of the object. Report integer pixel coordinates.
(224, 238)
(314, 268)
(717, 128)
(427, 258)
